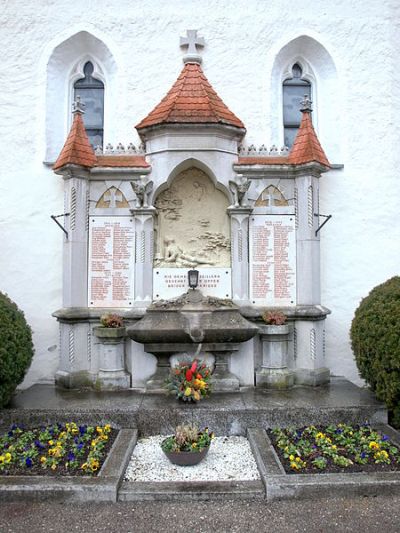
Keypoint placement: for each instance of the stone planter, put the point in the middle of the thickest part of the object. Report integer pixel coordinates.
(112, 374)
(187, 458)
(274, 372)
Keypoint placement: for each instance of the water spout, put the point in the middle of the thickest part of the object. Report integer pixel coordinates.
(193, 327)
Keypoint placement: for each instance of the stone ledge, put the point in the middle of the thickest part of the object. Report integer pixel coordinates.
(103, 488)
(191, 490)
(297, 312)
(282, 486)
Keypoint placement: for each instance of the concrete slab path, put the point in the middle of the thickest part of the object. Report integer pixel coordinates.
(326, 515)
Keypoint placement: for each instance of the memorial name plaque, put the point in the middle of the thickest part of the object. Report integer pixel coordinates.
(273, 260)
(111, 261)
(172, 282)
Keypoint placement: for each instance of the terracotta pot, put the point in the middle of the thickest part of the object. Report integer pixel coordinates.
(187, 458)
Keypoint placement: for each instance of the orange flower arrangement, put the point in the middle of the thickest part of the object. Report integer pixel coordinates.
(189, 381)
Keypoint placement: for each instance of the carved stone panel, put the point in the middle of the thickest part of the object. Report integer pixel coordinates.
(193, 226)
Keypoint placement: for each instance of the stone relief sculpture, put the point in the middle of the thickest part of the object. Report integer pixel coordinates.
(238, 188)
(193, 226)
(142, 189)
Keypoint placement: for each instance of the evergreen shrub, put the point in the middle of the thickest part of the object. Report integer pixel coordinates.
(375, 340)
(16, 348)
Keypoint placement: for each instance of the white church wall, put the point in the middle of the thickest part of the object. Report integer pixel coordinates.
(137, 46)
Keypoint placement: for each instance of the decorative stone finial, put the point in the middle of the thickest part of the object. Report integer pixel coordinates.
(306, 104)
(192, 42)
(78, 106)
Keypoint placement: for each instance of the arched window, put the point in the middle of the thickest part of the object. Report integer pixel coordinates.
(294, 89)
(91, 91)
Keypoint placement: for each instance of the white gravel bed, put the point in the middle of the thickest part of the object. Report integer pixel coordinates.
(228, 459)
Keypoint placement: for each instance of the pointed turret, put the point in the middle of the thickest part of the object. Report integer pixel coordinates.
(77, 149)
(306, 147)
(191, 100)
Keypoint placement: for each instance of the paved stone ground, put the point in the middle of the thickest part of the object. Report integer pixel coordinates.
(335, 514)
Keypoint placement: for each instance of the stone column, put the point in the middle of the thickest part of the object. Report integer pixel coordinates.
(144, 248)
(74, 364)
(310, 367)
(308, 244)
(274, 372)
(240, 253)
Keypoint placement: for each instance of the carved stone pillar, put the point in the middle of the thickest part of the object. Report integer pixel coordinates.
(144, 231)
(310, 363)
(74, 366)
(240, 253)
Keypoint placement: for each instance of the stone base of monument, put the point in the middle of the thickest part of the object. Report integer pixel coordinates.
(222, 379)
(274, 378)
(113, 380)
(156, 383)
(112, 374)
(215, 355)
(74, 380)
(305, 376)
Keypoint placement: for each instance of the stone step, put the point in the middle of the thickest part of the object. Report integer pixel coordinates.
(224, 413)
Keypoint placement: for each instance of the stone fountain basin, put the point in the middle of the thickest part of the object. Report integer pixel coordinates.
(192, 322)
(181, 327)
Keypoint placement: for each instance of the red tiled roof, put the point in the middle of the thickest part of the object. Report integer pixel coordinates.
(266, 160)
(77, 149)
(121, 161)
(306, 147)
(191, 100)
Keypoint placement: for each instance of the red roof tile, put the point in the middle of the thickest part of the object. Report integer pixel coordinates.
(191, 100)
(77, 149)
(306, 147)
(121, 161)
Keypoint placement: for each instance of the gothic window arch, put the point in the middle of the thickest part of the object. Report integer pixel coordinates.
(319, 69)
(90, 88)
(65, 66)
(293, 90)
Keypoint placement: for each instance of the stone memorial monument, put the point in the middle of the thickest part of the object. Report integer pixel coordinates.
(191, 198)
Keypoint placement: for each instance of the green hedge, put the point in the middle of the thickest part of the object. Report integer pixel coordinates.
(375, 339)
(16, 348)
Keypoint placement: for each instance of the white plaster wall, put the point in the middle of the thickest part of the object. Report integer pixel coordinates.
(360, 245)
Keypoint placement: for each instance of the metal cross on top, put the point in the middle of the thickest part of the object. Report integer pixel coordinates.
(192, 42)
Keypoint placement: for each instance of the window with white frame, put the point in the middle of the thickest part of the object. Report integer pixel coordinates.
(293, 91)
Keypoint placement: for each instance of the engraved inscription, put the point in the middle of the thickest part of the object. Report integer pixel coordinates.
(111, 262)
(273, 260)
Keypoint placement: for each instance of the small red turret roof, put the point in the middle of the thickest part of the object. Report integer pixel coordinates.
(306, 147)
(191, 100)
(77, 149)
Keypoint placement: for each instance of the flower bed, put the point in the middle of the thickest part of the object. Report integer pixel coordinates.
(60, 449)
(335, 448)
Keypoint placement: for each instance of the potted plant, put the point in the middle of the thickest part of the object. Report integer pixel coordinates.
(274, 335)
(111, 337)
(189, 381)
(188, 446)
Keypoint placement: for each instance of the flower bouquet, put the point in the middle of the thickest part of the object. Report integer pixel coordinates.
(189, 381)
(188, 446)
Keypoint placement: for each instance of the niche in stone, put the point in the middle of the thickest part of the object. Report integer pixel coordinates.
(192, 232)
